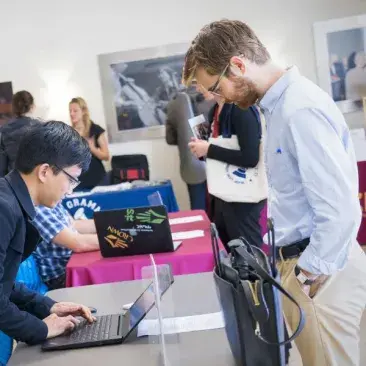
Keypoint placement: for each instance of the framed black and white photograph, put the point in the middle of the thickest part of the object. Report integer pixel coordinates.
(340, 46)
(143, 89)
(137, 85)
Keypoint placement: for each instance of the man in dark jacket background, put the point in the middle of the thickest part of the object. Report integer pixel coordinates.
(12, 132)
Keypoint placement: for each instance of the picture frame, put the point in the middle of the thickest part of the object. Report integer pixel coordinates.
(340, 48)
(136, 87)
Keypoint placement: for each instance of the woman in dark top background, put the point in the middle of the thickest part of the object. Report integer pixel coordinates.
(12, 132)
(234, 219)
(96, 137)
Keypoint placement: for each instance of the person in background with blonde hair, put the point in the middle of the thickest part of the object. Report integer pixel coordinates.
(96, 137)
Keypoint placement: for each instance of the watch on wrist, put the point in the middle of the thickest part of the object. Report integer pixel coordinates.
(303, 278)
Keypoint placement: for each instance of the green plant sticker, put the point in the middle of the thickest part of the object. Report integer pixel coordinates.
(150, 217)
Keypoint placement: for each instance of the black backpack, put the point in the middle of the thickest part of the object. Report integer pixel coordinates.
(127, 168)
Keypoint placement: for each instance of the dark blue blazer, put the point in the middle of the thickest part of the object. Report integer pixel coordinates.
(21, 310)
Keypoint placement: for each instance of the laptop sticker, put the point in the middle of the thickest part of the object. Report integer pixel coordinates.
(147, 217)
(117, 238)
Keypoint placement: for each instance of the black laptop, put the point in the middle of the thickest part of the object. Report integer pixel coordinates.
(132, 231)
(110, 329)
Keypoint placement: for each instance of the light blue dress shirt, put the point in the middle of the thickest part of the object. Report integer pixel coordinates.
(312, 173)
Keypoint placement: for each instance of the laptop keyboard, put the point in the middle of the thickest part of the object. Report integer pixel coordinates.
(97, 331)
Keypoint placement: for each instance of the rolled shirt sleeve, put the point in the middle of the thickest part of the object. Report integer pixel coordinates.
(330, 184)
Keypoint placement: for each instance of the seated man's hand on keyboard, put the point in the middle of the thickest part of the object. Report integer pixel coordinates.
(69, 308)
(58, 325)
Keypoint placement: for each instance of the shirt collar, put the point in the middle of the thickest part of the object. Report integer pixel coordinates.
(274, 93)
(20, 189)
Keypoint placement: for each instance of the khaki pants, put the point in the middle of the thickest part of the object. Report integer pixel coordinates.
(331, 333)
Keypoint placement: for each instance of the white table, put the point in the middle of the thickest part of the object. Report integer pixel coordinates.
(191, 295)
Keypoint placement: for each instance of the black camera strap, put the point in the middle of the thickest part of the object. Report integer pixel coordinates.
(264, 275)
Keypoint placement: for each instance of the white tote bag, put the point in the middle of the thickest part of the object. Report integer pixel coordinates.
(236, 184)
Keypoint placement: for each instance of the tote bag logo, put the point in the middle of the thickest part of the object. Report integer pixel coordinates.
(241, 175)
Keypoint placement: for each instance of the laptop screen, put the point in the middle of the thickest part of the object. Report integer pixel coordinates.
(147, 300)
(142, 306)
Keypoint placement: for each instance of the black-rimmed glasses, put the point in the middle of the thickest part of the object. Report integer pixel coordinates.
(213, 89)
(74, 182)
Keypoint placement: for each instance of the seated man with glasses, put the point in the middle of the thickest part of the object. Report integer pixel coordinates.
(45, 154)
(62, 235)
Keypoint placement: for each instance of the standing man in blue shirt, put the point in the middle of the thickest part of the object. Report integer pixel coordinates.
(313, 181)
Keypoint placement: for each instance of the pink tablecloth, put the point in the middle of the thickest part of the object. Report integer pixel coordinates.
(193, 256)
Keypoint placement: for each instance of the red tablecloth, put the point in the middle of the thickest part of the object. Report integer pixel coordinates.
(193, 256)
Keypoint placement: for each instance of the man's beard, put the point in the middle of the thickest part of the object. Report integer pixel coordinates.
(245, 93)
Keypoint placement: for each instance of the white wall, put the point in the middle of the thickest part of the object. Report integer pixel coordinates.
(50, 48)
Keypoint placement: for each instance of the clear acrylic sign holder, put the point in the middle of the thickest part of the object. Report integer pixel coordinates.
(167, 350)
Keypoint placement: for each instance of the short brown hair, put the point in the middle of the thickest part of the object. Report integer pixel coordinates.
(217, 43)
(22, 103)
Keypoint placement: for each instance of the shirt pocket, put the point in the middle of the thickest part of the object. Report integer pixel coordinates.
(278, 169)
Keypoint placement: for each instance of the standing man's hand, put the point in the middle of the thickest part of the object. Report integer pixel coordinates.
(69, 308)
(317, 281)
(306, 289)
(58, 325)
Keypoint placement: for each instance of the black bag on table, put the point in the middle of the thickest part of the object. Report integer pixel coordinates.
(127, 168)
(249, 291)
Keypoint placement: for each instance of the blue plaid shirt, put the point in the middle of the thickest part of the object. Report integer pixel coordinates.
(51, 258)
